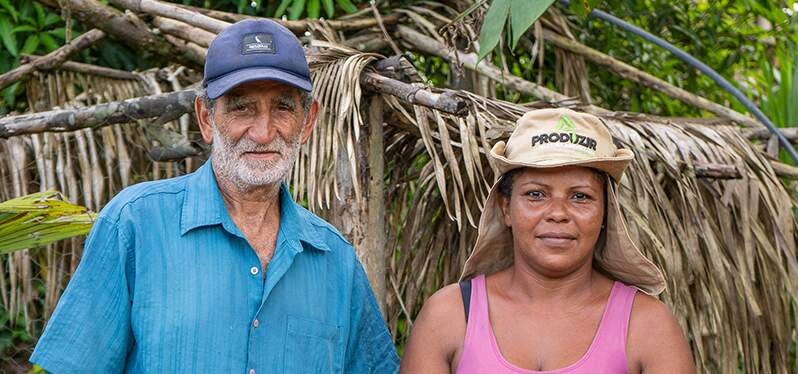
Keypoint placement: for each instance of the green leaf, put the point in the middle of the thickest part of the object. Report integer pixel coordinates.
(523, 13)
(281, 8)
(48, 42)
(7, 34)
(40, 18)
(51, 19)
(59, 33)
(22, 28)
(492, 26)
(296, 9)
(582, 7)
(347, 6)
(10, 8)
(10, 95)
(314, 9)
(329, 8)
(31, 43)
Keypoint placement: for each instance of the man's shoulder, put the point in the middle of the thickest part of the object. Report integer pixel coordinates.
(327, 232)
(157, 191)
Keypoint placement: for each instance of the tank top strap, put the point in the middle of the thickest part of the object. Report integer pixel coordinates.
(614, 327)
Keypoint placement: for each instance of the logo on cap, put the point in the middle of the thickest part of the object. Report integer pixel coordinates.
(565, 132)
(257, 43)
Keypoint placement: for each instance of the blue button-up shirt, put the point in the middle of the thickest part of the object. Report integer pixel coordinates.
(168, 284)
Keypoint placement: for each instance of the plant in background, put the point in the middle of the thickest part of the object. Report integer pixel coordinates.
(25, 28)
(296, 8)
(41, 218)
(780, 91)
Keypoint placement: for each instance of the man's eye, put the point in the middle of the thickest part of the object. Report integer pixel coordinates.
(239, 107)
(285, 106)
(580, 196)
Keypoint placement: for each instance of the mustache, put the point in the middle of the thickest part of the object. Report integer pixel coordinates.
(245, 145)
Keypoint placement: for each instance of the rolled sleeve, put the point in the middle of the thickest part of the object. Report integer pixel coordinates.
(89, 332)
(370, 348)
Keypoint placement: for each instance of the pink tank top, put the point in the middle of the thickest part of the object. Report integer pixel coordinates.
(606, 354)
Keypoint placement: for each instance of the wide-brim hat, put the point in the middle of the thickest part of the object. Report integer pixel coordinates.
(550, 138)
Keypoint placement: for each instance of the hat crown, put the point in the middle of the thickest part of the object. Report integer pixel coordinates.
(252, 44)
(558, 135)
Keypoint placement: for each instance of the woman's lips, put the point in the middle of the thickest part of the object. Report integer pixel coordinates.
(556, 239)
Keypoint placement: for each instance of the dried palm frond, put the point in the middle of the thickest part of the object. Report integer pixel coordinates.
(40, 218)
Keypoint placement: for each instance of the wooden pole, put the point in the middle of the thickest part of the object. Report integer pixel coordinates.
(374, 253)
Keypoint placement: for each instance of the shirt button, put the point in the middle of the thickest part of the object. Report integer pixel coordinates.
(254, 270)
(251, 371)
(256, 323)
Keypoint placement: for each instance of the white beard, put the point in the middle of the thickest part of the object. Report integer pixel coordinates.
(245, 174)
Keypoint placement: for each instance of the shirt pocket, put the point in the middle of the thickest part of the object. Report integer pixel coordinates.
(310, 346)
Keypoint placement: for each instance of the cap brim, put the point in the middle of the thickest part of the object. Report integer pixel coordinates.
(221, 85)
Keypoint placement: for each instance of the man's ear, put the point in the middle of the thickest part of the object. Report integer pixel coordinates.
(504, 204)
(203, 120)
(310, 122)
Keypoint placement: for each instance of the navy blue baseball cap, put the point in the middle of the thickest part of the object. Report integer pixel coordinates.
(251, 50)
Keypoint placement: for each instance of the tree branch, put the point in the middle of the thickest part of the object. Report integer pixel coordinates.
(125, 27)
(52, 59)
(98, 115)
(184, 31)
(79, 67)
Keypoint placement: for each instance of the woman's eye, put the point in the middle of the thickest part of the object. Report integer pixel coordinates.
(535, 194)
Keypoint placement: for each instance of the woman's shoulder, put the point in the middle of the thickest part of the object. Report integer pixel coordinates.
(655, 336)
(445, 304)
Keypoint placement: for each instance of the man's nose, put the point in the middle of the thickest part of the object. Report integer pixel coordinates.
(262, 129)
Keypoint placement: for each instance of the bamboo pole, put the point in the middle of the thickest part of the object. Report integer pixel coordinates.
(631, 73)
(52, 59)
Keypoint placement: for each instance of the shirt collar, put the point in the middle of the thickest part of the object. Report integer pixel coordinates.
(203, 206)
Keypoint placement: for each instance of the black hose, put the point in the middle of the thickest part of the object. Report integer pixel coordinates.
(692, 61)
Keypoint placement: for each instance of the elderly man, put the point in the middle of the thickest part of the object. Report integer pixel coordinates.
(220, 271)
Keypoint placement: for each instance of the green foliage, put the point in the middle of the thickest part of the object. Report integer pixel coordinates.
(297, 8)
(25, 28)
(521, 15)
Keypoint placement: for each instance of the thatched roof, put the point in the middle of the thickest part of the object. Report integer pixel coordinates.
(705, 202)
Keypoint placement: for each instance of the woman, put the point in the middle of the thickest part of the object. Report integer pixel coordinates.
(551, 283)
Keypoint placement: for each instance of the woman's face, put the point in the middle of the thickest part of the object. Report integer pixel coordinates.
(556, 216)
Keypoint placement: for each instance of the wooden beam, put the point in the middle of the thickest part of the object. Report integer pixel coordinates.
(89, 69)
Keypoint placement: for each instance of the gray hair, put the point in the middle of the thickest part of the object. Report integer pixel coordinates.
(202, 93)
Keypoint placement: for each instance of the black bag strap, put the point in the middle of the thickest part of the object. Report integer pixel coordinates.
(465, 291)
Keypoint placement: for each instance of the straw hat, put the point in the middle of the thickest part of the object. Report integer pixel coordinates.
(551, 138)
